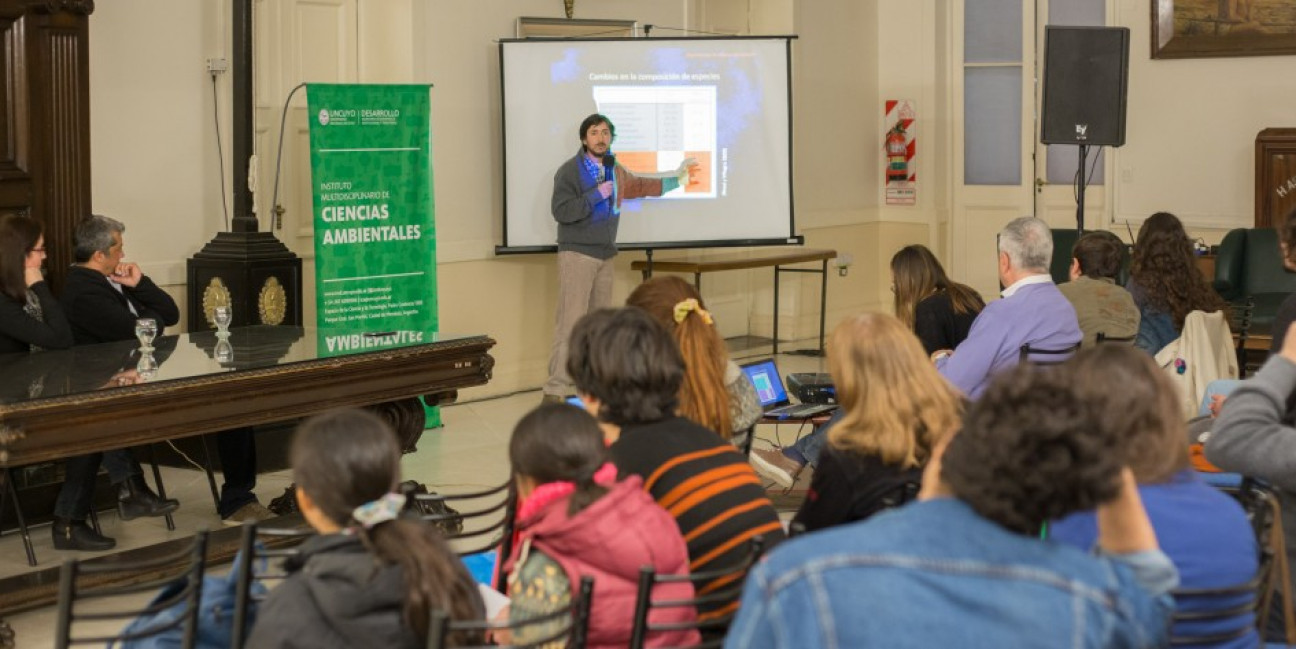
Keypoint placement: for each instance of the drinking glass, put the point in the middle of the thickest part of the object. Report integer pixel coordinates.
(224, 351)
(222, 315)
(146, 330)
(147, 367)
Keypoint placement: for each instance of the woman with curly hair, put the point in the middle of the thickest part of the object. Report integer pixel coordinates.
(937, 308)
(715, 393)
(894, 405)
(1165, 282)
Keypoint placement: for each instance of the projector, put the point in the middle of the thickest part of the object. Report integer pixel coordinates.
(812, 387)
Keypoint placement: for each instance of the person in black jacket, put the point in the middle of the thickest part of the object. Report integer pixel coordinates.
(30, 318)
(102, 298)
(936, 307)
(370, 577)
(894, 407)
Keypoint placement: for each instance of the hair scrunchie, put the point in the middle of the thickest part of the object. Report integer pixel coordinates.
(387, 508)
(683, 307)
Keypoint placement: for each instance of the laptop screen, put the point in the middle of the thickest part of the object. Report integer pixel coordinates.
(769, 386)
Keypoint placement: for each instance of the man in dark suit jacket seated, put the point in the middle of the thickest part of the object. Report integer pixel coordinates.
(103, 297)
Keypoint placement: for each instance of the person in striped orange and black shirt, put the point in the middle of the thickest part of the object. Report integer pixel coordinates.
(627, 369)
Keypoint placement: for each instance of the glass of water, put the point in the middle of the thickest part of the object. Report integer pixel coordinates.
(222, 315)
(146, 330)
(147, 367)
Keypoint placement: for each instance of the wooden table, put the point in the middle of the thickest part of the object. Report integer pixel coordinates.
(778, 258)
(57, 404)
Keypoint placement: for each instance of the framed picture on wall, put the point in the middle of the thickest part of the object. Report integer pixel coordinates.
(1186, 29)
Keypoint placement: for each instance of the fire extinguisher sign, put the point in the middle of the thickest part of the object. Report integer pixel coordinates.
(899, 146)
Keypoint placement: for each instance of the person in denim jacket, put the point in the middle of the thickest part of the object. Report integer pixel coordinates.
(964, 566)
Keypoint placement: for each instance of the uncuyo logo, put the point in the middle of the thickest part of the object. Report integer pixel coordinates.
(323, 117)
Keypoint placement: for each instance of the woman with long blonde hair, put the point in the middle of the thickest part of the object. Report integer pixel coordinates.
(894, 407)
(939, 310)
(715, 393)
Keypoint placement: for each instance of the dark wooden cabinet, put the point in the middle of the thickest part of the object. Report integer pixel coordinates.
(45, 118)
(1275, 176)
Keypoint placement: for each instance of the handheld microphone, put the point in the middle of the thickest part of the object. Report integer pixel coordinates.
(609, 166)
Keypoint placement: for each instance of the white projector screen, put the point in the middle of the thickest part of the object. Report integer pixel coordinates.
(725, 102)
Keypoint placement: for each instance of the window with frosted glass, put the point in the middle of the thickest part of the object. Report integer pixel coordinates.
(992, 133)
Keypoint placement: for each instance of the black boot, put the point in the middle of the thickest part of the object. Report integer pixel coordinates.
(76, 535)
(135, 499)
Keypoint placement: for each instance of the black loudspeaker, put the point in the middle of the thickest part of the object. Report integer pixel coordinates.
(1086, 72)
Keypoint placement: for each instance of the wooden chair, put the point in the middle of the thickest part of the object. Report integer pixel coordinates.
(73, 592)
(713, 629)
(1055, 355)
(260, 562)
(574, 631)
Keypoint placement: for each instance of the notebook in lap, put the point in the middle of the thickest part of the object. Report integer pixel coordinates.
(764, 375)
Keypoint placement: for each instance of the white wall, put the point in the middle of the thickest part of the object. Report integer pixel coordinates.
(1191, 130)
(1192, 125)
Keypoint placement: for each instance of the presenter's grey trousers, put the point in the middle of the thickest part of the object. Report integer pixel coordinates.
(584, 285)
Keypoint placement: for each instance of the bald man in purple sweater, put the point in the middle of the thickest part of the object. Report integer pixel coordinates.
(1032, 311)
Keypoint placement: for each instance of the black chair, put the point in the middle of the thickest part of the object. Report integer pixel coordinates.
(10, 496)
(1240, 317)
(260, 562)
(72, 592)
(1060, 355)
(1104, 338)
(1249, 598)
(576, 616)
(714, 628)
(492, 519)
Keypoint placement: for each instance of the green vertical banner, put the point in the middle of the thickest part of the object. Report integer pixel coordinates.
(375, 235)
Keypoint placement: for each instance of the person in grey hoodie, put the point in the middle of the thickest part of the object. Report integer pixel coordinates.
(369, 578)
(588, 191)
(1255, 434)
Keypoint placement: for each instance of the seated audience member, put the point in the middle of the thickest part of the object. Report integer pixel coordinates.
(964, 566)
(32, 320)
(90, 323)
(1254, 434)
(937, 308)
(103, 297)
(715, 392)
(1032, 312)
(628, 371)
(369, 578)
(894, 406)
(1101, 305)
(1165, 282)
(574, 519)
(1203, 531)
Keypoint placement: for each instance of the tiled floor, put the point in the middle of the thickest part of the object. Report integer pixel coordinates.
(469, 451)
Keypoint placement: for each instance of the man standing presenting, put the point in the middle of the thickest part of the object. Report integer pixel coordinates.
(587, 195)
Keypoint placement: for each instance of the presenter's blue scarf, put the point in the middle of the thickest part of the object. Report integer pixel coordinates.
(596, 171)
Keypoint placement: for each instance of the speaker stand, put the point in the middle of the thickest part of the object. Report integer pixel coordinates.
(1080, 191)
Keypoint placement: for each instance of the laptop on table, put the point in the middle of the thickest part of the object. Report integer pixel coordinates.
(765, 377)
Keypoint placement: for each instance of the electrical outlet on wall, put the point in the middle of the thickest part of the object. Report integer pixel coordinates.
(217, 65)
